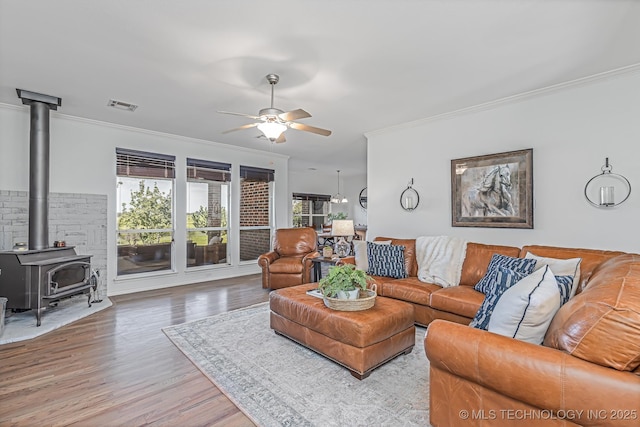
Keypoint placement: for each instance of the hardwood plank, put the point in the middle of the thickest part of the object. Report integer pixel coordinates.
(116, 367)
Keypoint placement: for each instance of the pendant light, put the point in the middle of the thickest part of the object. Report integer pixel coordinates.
(339, 198)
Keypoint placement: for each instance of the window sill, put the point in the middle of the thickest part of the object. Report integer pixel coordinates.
(137, 276)
(207, 267)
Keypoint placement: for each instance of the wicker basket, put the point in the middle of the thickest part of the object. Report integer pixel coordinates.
(366, 300)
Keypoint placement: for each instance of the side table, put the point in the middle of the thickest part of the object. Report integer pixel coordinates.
(318, 261)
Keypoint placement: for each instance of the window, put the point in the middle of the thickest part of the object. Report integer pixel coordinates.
(256, 211)
(310, 210)
(145, 211)
(207, 212)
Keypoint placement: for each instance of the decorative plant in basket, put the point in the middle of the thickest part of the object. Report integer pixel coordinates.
(343, 279)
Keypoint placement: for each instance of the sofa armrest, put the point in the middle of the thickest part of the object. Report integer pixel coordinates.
(265, 259)
(539, 376)
(307, 266)
(347, 260)
(306, 260)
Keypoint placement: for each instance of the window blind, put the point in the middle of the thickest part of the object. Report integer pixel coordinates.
(312, 197)
(145, 165)
(208, 170)
(250, 173)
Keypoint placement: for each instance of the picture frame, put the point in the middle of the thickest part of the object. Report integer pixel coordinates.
(494, 190)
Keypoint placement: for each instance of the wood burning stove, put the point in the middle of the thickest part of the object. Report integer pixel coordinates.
(32, 279)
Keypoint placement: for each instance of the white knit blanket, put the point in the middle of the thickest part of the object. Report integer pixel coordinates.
(440, 259)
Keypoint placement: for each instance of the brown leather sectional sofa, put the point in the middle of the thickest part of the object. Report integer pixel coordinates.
(587, 372)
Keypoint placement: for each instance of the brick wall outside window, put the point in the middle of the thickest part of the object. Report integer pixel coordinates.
(214, 218)
(254, 211)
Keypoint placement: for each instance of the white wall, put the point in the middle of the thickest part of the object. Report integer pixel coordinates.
(83, 161)
(571, 130)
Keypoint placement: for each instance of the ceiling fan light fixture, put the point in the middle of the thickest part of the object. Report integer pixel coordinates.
(275, 121)
(272, 130)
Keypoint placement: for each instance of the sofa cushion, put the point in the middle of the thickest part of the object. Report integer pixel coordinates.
(524, 311)
(289, 265)
(361, 255)
(591, 258)
(560, 267)
(410, 289)
(520, 265)
(602, 323)
(379, 282)
(477, 260)
(462, 300)
(499, 280)
(294, 241)
(386, 260)
(565, 285)
(409, 253)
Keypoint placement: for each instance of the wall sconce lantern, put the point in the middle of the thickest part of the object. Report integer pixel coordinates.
(409, 199)
(605, 190)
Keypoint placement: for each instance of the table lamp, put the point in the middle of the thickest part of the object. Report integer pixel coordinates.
(342, 228)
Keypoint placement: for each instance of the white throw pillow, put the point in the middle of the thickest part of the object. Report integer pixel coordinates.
(360, 253)
(560, 267)
(525, 310)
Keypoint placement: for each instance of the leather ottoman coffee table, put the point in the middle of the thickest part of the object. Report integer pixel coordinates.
(358, 340)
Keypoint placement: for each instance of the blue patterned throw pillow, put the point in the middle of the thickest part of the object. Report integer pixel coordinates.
(501, 279)
(565, 283)
(520, 265)
(386, 260)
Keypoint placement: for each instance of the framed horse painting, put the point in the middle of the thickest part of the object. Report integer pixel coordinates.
(495, 190)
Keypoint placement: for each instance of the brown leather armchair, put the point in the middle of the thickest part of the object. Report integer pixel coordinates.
(289, 263)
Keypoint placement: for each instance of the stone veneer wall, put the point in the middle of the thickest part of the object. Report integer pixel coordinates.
(78, 219)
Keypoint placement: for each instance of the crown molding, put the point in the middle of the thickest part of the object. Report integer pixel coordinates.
(583, 81)
(148, 132)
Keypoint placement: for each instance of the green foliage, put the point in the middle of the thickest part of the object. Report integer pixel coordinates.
(200, 217)
(297, 213)
(343, 277)
(337, 215)
(223, 217)
(149, 208)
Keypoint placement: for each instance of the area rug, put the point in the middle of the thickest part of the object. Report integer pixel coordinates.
(22, 326)
(277, 382)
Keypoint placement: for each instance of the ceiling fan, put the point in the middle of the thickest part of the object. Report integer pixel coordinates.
(273, 121)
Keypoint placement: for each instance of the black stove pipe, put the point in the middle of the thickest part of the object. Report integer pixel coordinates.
(39, 165)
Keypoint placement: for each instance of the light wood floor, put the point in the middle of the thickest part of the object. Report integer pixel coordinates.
(117, 368)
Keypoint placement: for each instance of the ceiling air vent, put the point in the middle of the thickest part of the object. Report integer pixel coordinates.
(120, 105)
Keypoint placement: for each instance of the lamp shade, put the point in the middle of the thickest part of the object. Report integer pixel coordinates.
(272, 130)
(342, 227)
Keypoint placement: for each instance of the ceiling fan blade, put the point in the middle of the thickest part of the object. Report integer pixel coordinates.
(240, 114)
(307, 128)
(294, 115)
(250, 125)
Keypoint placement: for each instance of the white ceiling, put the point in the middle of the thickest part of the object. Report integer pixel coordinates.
(356, 66)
